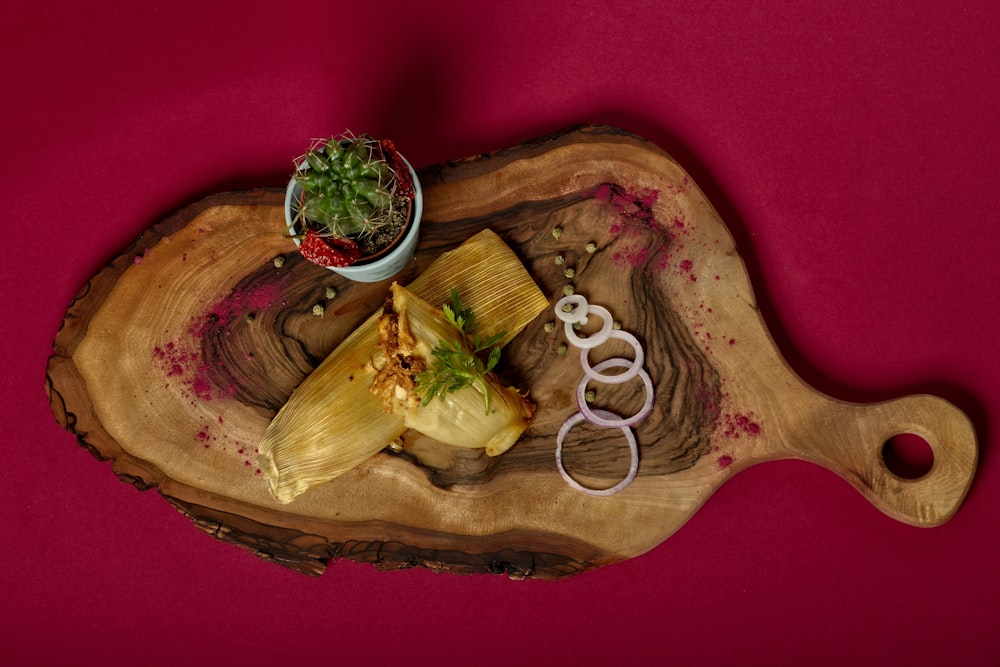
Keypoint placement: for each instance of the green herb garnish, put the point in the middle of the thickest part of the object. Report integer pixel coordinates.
(463, 318)
(460, 363)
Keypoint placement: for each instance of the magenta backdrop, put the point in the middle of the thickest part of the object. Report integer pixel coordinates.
(853, 152)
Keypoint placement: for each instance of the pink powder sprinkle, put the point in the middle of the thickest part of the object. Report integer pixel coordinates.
(632, 256)
(737, 425)
(635, 218)
(708, 398)
(238, 304)
(634, 209)
(182, 360)
(198, 379)
(725, 461)
(202, 388)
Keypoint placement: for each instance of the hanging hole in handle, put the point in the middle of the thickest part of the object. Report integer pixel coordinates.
(908, 456)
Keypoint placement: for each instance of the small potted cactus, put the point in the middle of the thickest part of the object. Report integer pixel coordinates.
(354, 206)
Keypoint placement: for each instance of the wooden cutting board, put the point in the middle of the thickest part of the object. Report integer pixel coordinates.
(172, 360)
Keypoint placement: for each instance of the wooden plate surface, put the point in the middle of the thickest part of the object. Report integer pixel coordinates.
(172, 360)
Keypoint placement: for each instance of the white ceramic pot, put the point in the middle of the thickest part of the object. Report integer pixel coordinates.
(384, 267)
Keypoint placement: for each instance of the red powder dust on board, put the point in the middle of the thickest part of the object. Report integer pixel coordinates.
(643, 241)
(635, 220)
(238, 304)
(182, 359)
(186, 366)
(199, 381)
(686, 266)
(725, 461)
(735, 425)
(210, 439)
(634, 208)
(634, 257)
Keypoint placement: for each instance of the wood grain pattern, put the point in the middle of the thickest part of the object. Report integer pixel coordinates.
(172, 360)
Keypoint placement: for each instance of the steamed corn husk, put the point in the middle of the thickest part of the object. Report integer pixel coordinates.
(489, 416)
(332, 422)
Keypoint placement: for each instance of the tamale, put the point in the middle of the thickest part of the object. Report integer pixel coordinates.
(332, 422)
(485, 415)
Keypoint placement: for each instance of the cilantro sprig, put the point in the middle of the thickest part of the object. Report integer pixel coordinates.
(463, 318)
(461, 363)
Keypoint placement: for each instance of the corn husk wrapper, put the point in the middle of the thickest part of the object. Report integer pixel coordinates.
(490, 417)
(332, 422)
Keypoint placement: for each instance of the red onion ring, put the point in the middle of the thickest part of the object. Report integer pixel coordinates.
(633, 449)
(594, 417)
(594, 339)
(578, 314)
(632, 370)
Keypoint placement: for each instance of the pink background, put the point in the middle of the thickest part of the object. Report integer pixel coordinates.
(853, 152)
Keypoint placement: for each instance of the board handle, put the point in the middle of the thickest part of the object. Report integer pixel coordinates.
(853, 440)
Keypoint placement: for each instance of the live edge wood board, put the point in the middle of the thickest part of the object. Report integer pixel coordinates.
(172, 360)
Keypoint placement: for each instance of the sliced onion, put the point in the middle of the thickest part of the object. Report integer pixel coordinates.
(579, 315)
(579, 312)
(625, 376)
(596, 338)
(594, 416)
(633, 449)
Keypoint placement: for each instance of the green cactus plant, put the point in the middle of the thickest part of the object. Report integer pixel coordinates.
(354, 190)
